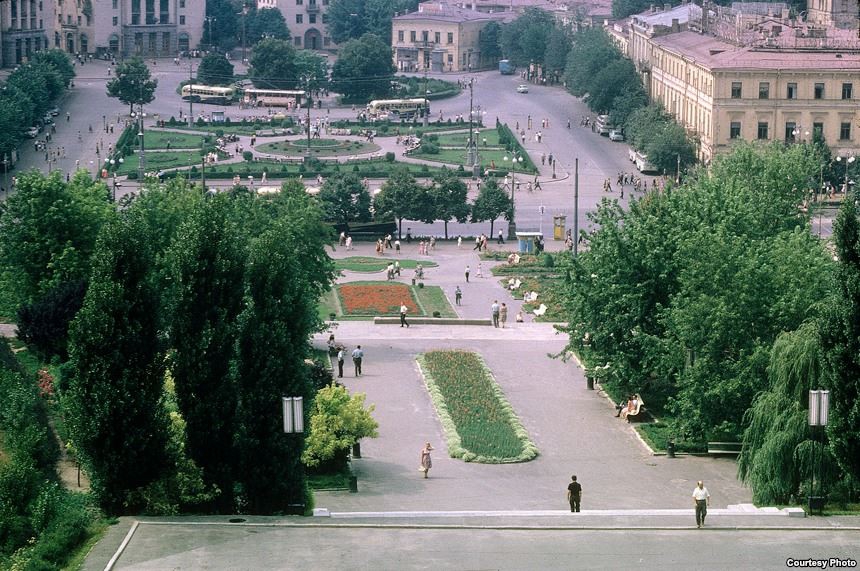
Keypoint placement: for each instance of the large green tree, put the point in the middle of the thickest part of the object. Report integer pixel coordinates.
(206, 265)
(312, 70)
(215, 69)
(225, 24)
(132, 83)
(115, 376)
(623, 8)
(273, 65)
(351, 19)
(363, 69)
(592, 51)
(451, 193)
(345, 199)
(489, 42)
(396, 199)
(491, 203)
(266, 23)
(525, 40)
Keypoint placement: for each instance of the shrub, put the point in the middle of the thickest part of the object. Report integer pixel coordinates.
(430, 148)
(200, 122)
(248, 156)
(548, 261)
(389, 157)
(435, 313)
(44, 324)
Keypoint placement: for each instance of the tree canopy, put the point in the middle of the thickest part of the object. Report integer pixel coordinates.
(491, 203)
(273, 65)
(215, 69)
(132, 83)
(345, 199)
(363, 69)
(525, 40)
(268, 23)
(351, 19)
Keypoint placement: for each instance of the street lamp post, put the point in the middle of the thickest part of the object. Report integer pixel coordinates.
(847, 161)
(6, 173)
(244, 13)
(819, 408)
(307, 81)
(512, 225)
(114, 164)
(209, 20)
(141, 163)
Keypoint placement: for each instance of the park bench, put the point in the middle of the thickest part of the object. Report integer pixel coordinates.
(724, 448)
(640, 414)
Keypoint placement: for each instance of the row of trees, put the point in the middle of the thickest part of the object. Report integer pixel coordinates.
(345, 200)
(229, 19)
(193, 322)
(535, 37)
(684, 298)
(29, 92)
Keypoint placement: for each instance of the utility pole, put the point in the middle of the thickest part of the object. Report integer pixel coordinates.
(209, 20)
(576, 207)
(244, 13)
(203, 175)
(472, 153)
(190, 94)
(308, 103)
(426, 103)
(141, 162)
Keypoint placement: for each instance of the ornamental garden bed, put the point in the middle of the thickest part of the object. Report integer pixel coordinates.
(368, 299)
(369, 264)
(480, 424)
(319, 147)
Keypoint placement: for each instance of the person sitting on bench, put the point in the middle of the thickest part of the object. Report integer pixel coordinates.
(631, 408)
(623, 405)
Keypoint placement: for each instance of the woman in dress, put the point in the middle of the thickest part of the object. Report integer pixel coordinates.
(426, 461)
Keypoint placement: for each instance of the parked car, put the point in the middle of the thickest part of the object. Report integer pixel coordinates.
(616, 135)
(54, 112)
(522, 88)
(48, 119)
(33, 132)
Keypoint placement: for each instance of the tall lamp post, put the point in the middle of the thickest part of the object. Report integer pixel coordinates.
(141, 163)
(307, 81)
(514, 159)
(6, 173)
(114, 165)
(847, 161)
(819, 408)
(210, 20)
(243, 14)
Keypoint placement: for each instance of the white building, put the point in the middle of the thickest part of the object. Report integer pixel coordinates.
(306, 20)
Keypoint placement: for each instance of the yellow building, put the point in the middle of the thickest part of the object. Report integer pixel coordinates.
(441, 37)
(766, 88)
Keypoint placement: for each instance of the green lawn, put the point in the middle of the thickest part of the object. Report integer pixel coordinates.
(374, 168)
(160, 161)
(339, 481)
(536, 275)
(657, 435)
(370, 265)
(432, 298)
(319, 148)
(462, 139)
(480, 424)
(489, 158)
(387, 129)
(262, 129)
(155, 139)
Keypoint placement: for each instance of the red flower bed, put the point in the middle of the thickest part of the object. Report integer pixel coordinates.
(376, 299)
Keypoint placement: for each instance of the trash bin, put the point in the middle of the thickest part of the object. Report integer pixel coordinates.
(670, 449)
(356, 450)
(559, 224)
(589, 383)
(353, 484)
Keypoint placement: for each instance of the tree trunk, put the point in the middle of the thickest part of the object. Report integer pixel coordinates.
(446, 229)
(492, 221)
(400, 228)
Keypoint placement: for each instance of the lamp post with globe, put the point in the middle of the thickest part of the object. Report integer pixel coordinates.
(514, 159)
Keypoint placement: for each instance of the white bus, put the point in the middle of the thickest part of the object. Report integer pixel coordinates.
(288, 98)
(402, 107)
(208, 94)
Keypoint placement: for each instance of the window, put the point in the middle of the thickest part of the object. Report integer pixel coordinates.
(299, 2)
(299, 18)
(400, 36)
(312, 18)
(450, 37)
(736, 89)
(818, 131)
(790, 128)
(114, 4)
(325, 18)
(437, 38)
(764, 90)
(735, 130)
(412, 36)
(791, 91)
(762, 131)
(181, 20)
(115, 20)
(846, 90)
(819, 91)
(297, 41)
(844, 131)
(182, 3)
(326, 40)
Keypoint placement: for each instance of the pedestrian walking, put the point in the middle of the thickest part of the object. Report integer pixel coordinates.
(468, 269)
(357, 356)
(574, 494)
(459, 242)
(340, 357)
(397, 246)
(403, 310)
(458, 295)
(426, 461)
(503, 314)
(501, 239)
(701, 499)
(495, 311)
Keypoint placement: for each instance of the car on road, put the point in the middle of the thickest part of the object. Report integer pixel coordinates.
(48, 119)
(616, 135)
(54, 111)
(522, 88)
(33, 132)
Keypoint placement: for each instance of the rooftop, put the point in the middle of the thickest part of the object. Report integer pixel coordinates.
(440, 11)
(683, 13)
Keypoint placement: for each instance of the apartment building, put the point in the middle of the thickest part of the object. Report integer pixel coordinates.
(766, 78)
(149, 28)
(306, 20)
(23, 30)
(441, 37)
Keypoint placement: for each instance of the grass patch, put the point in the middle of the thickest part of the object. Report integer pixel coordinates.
(338, 481)
(370, 168)
(327, 305)
(479, 422)
(432, 299)
(390, 129)
(543, 274)
(319, 148)
(95, 532)
(369, 264)
(490, 158)
(321, 357)
(161, 161)
(462, 139)
(657, 435)
(155, 139)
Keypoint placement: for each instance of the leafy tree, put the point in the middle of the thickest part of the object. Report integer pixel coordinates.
(351, 19)
(591, 52)
(626, 103)
(273, 65)
(32, 80)
(623, 8)
(132, 83)
(266, 23)
(841, 340)
(13, 121)
(556, 50)
(491, 203)
(312, 70)
(363, 69)
(425, 207)
(115, 375)
(206, 267)
(345, 199)
(396, 198)
(225, 26)
(59, 61)
(669, 148)
(44, 324)
(450, 193)
(286, 272)
(610, 82)
(215, 69)
(48, 230)
(338, 421)
(489, 42)
(525, 40)
(642, 122)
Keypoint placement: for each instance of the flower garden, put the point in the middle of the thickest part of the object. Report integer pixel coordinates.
(376, 298)
(479, 423)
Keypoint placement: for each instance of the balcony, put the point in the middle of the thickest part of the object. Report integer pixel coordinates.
(312, 8)
(424, 44)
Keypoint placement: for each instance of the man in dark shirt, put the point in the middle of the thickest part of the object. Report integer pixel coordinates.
(574, 494)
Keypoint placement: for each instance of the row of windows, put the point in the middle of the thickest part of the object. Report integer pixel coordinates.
(311, 2)
(791, 91)
(312, 43)
(425, 36)
(792, 132)
(115, 4)
(312, 18)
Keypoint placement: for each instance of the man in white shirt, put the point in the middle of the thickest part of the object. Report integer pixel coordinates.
(403, 310)
(701, 499)
(357, 356)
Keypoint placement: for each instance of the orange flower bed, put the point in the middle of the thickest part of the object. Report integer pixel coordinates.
(376, 299)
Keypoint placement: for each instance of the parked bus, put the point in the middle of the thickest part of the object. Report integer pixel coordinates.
(403, 107)
(602, 125)
(208, 94)
(288, 98)
(505, 67)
